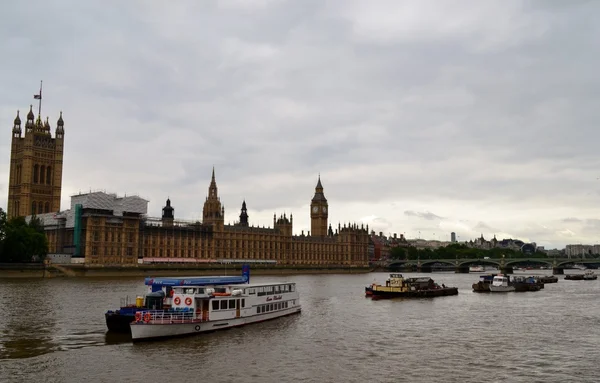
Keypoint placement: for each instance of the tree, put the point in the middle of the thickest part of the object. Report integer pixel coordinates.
(20, 241)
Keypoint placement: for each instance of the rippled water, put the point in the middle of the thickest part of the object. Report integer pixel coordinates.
(53, 331)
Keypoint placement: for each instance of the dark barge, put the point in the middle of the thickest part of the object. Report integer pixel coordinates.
(399, 287)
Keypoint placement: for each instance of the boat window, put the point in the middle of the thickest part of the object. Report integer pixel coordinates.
(258, 309)
(292, 287)
(286, 305)
(271, 307)
(243, 303)
(215, 305)
(220, 290)
(251, 291)
(269, 290)
(189, 291)
(224, 304)
(232, 303)
(261, 292)
(200, 291)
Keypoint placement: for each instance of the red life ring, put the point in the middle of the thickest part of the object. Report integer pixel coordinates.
(177, 300)
(138, 316)
(147, 317)
(188, 301)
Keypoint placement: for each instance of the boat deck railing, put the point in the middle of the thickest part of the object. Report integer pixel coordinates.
(166, 317)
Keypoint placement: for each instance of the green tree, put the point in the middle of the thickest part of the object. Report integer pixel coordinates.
(21, 241)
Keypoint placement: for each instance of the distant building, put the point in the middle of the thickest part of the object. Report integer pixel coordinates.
(582, 251)
(453, 237)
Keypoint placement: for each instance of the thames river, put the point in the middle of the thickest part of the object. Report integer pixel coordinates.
(53, 330)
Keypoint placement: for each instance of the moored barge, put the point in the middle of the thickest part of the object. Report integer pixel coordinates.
(396, 286)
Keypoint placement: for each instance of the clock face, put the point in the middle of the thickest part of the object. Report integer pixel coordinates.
(315, 209)
(324, 209)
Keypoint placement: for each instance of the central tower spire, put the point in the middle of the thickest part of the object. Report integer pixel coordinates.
(213, 213)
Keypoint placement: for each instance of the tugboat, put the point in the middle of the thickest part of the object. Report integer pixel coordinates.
(501, 284)
(399, 287)
(160, 296)
(483, 286)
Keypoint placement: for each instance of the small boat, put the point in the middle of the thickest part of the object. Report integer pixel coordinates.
(476, 269)
(522, 283)
(549, 279)
(483, 286)
(589, 275)
(396, 286)
(501, 284)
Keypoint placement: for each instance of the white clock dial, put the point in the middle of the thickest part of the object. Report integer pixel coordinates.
(324, 209)
(315, 209)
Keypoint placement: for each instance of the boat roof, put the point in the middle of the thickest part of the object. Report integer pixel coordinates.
(253, 285)
(196, 281)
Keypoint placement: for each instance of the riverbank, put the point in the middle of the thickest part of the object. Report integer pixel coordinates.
(81, 270)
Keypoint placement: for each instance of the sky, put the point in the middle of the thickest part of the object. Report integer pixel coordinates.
(421, 117)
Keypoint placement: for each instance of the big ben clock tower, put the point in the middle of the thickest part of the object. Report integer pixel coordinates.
(318, 212)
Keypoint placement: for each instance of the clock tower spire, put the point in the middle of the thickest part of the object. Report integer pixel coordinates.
(318, 212)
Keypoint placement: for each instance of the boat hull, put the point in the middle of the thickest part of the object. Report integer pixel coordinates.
(117, 322)
(574, 277)
(501, 289)
(481, 287)
(141, 331)
(429, 293)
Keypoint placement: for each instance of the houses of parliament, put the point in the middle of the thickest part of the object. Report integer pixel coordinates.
(101, 228)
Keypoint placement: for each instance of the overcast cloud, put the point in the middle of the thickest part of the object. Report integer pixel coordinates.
(478, 117)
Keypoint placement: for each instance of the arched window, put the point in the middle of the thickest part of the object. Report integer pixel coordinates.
(40, 208)
(36, 169)
(42, 174)
(48, 174)
(47, 208)
(33, 206)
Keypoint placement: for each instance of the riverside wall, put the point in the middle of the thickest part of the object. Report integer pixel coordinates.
(82, 270)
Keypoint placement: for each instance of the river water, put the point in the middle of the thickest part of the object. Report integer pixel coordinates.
(53, 330)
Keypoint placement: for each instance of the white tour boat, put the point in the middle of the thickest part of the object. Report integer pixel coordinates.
(198, 309)
(476, 269)
(501, 284)
(589, 275)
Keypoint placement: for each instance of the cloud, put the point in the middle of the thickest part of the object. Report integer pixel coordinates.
(479, 111)
(425, 215)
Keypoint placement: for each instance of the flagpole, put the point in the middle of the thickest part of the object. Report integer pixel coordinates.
(40, 104)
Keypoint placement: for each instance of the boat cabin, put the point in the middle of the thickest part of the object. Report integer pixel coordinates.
(228, 302)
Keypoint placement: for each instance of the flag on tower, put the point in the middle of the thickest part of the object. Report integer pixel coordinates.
(37, 96)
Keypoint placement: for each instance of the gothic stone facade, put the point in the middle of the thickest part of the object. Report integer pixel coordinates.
(36, 161)
(164, 239)
(111, 237)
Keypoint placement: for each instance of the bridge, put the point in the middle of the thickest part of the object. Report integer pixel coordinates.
(505, 265)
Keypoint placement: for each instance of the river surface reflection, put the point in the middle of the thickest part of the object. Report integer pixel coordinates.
(53, 330)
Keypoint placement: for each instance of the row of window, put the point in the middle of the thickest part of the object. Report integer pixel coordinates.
(111, 251)
(272, 307)
(42, 174)
(226, 304)
(40, 207)
(270, 290)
